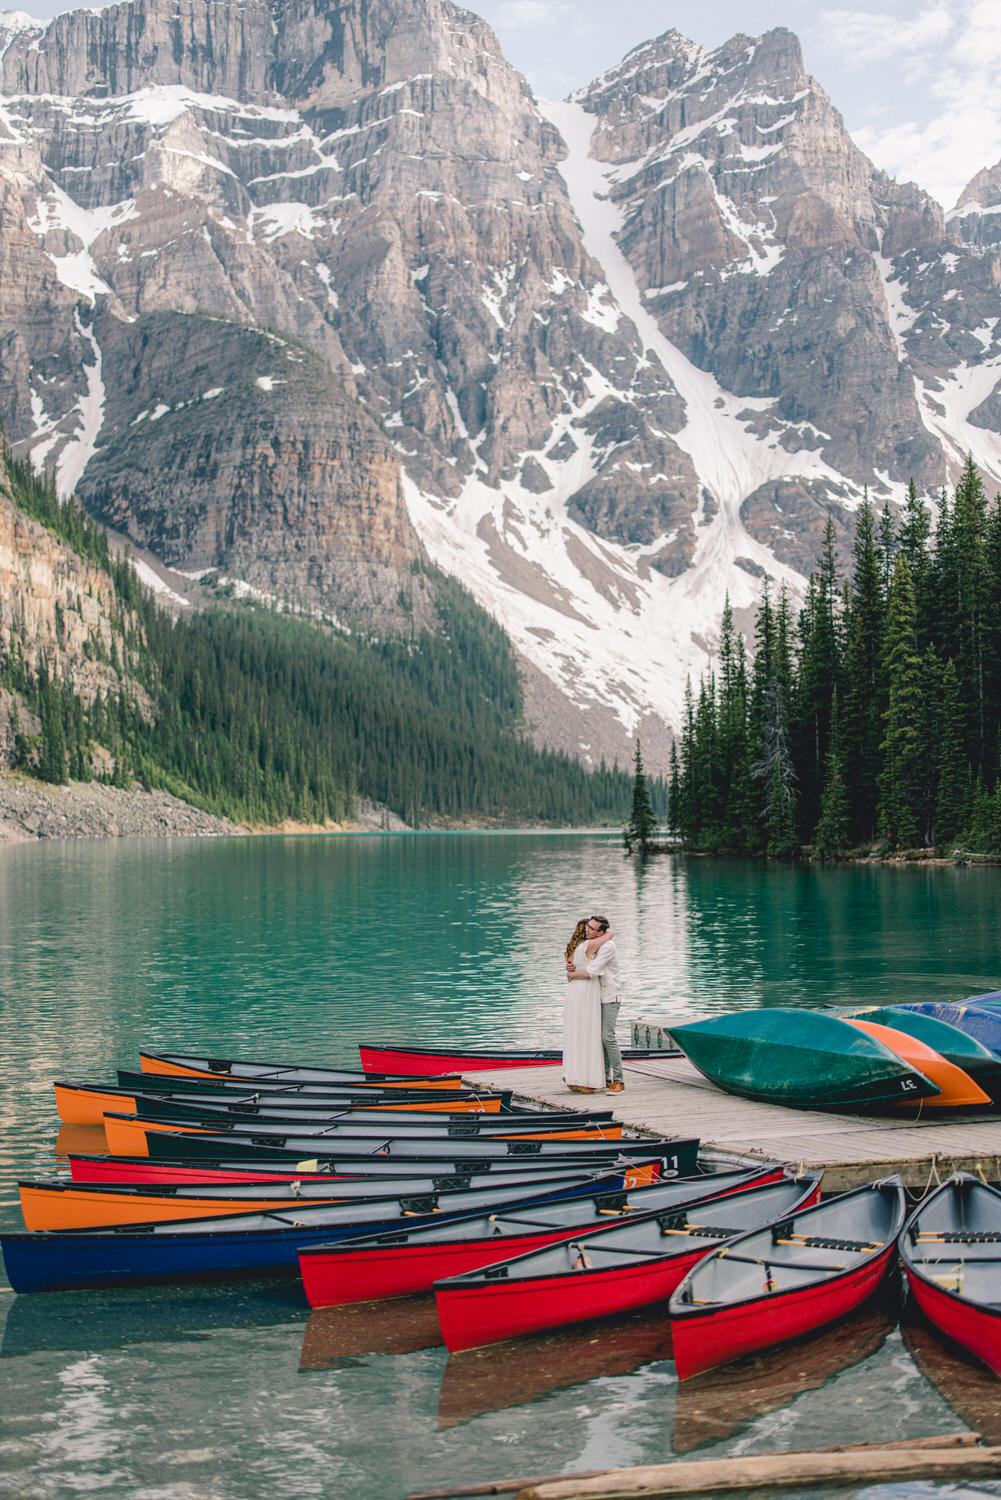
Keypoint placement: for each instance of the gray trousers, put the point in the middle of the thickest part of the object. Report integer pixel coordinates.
(610, 1047)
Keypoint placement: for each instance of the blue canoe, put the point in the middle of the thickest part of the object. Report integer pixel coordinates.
(238, 1244)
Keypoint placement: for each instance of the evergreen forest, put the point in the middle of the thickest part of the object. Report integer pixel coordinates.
(268, 717)
(873, 720)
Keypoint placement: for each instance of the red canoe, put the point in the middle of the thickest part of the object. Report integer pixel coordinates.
(776, 1283)
(143, 1170)
(951, 1250)
(605, 1271)
(402, 1263)
(430, 1061)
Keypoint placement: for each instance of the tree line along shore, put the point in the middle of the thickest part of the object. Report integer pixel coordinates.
(266, 718)
(871, 724)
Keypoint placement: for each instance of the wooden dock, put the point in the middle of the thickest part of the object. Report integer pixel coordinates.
(668, 1096)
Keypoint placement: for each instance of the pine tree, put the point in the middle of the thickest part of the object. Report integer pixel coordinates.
(951, 809)
(900, 775)
(831, 836)
(52, 766)
(642, 823)
(863, 676)
(818, 678)
(776, 774)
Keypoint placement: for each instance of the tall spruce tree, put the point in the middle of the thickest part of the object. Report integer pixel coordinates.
(864, 681)
(642, 824)
(818, 677)
(831, 836)
(900, 772)
(952, 799)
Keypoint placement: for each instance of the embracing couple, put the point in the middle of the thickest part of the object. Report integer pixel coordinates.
(591, 1056)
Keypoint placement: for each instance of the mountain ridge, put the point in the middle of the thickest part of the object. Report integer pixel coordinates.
(607, 390)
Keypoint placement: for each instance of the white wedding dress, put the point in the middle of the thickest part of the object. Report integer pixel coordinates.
(583, 1057)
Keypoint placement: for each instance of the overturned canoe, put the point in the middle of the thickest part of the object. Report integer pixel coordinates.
(603, 1272)
(815, 1266)
(807, 1059)
(951, 1250)
(980, 1021)
(957, 1046)
(401, 1263)
(956, 1089)
(433, 1060)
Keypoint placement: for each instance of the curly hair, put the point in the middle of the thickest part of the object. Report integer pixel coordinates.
(579, 935)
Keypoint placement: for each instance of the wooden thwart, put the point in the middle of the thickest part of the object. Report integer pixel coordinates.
(948, 1457)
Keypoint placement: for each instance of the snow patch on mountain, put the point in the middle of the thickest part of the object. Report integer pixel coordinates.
(90, 408)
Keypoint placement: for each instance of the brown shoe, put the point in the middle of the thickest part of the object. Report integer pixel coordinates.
(616, 1087)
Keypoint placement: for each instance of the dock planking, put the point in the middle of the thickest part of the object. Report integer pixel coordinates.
(668, 1096)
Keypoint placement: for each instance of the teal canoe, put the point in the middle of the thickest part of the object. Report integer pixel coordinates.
(806, 1059)
(956, 1046)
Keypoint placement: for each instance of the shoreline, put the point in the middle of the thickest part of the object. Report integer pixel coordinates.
(33, 810)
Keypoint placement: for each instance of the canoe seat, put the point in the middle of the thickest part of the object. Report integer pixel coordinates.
(698, 1231)
(958, 1237)
(822, 1242)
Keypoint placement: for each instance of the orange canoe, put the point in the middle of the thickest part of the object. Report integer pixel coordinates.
(79, 1104)
(957, 1088)
(55, 1206)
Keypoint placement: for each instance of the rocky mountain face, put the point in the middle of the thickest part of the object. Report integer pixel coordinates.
(304, 291)
(56, 610)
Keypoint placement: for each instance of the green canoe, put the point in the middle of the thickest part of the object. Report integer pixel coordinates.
(807, 1059)
(956, 1046)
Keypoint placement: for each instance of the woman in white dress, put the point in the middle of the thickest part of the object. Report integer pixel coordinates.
(583, 1058)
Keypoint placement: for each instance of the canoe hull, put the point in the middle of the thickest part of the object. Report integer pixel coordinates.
(226, 1247)
(677, 1157)
(957, 1090)
(138, 1170)
(415, 1061)
(79, 1105)
(704, 1341)
(335, 1277)
(52, 1209)
(492, 1313)
(234, 1070)
(951, 1252)
(801, 1059)
(977, 1328)
(514, 1297)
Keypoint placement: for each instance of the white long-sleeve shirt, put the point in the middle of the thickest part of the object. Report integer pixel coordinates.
(604, 966)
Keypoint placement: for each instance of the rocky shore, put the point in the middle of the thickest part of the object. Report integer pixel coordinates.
(90, 810)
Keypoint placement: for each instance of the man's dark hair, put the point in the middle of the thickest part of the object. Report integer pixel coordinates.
(602, 922)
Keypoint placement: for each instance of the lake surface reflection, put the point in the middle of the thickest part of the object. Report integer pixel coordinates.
(286, 948)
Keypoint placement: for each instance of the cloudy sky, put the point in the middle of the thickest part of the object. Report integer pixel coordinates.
(916, 80)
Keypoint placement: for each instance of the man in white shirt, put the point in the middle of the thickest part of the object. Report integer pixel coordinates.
(605, 968)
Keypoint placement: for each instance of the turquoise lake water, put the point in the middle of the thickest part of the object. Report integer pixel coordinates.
(294, 948)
